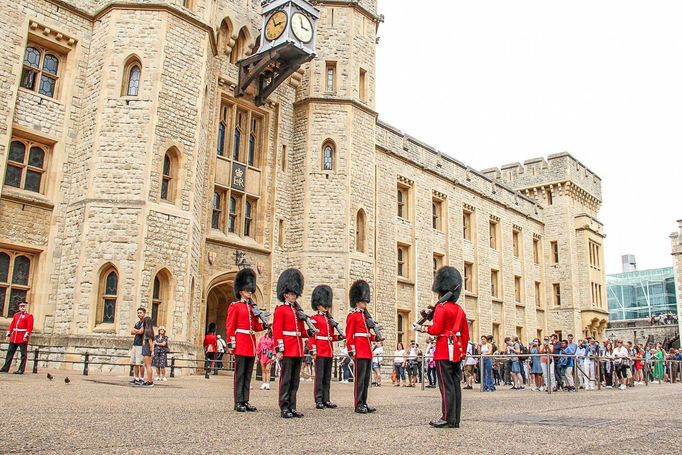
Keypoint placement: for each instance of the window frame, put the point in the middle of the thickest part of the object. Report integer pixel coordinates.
(494, 235)
(9, 285)
(554, 251)
(556, 294)
(38, 72)
(403, 201)
(102, 297)
(361, 231)
(469, 277)
(518, 289)
(467, 225)
(328, 145)
(516, 243)
(437, 214)
(330, 71)
(495, 288)
(26, 167)
(403, 261)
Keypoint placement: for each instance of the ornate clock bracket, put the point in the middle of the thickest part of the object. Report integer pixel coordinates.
(270, 69)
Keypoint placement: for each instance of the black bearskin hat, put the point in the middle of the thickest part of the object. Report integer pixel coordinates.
(211, 327)
(291, 280)
(244, 281)
(448, 279)
(359, 291)
(322, 296)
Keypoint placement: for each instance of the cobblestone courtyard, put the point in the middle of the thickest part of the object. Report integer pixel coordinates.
(102, 414)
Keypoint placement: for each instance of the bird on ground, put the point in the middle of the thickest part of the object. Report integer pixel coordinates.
(49, 376)
(67, 380)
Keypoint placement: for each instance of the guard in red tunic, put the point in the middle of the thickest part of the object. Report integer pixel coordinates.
(288, 331)
(18, 333)
(359, 343)
(451, 330)
(322, 344)
(241, 326)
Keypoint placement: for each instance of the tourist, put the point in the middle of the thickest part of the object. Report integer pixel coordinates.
(161, 349)
(556, 345)
(147, 350)
(620, 365)
(630, 382)
(546, 363)
(469, 365)
(567, 363)
(307, 365)
(221, 347)
(19, 333)
(536, 365)
(399, 365)
(513, 349)
(412, 365)
(486, 349)
(639, 365)
(136, 353)
(431, 364)
(659, 364)
(589, 363)
(377, 358)
(266, 355)
(345, 363)
(580, 356)
(607, 364)
(210, 347)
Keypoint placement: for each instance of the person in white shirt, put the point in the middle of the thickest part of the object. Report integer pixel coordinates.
(620, 363)
(469, 365)
(220, 352)
(399, 365)
(377, 357)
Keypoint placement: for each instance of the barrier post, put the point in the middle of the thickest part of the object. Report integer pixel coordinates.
(598, 373)
(172, 367)
(550, 372)
(575, 373)
(86, 368)
(482, 370)
(36, 352)
(130, 373)
(423, 373)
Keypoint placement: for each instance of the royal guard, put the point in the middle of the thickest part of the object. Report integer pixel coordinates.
(451, 330)
(359, 343)
(288, 331)
(241, 326)
(19, 333)
(322, 344)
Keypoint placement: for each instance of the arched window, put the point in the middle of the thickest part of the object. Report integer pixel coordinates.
(360, 236)
(248, 218)
(15, 279)
(132, 74)
(169, 175)
(160, 297)
(328, 156)
(232, 224)
(224, 36)
(240, 46)
(40, 70)
(107, 296)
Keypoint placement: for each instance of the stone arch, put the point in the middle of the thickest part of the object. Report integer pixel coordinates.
(225, 38)
(241, 46)
(132, 75)
(219, 294)
(361, 231)
(162, 302)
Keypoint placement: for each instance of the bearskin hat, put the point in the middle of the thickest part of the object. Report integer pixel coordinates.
(244, 281)
(448, 279)
(211, 327)
(359, 291)
(291, 280)
(322, 296)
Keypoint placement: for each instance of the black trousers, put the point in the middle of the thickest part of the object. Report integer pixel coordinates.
(10, 356)
(218, 362)
(449, 383)
(289, 379)
(243, 370)
(323, 378)
(363, 376)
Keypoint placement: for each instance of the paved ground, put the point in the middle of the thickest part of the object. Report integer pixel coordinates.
(102, 414)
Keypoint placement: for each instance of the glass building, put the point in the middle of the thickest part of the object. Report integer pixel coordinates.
(641, 294)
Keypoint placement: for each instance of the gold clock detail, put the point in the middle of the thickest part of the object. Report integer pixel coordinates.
(302, 27)
(275, 25)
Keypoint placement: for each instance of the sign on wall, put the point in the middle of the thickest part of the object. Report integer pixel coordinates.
(238, 177)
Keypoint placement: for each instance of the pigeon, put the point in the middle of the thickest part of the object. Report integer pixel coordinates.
(67, 380)
(49, 376)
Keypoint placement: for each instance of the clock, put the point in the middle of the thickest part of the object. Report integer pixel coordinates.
(276, 25)
(302, 27)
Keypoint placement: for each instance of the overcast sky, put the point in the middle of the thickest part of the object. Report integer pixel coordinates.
(497, 81)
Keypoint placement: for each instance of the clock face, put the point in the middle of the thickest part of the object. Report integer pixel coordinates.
(302, 27)
(275, 25)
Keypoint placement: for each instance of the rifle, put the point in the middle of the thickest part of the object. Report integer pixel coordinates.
(258, 312)
(336, 326)
(427, 314)
(300, 314)
(371, 324)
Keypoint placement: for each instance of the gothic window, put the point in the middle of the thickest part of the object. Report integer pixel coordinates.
(330, 77)
(240, 46)
(328, 156)
(166, 178)
(224, 36)
(217, 209)
(236, 143)
(253, 141)
(160, 297)
(15, 280)
(26, 165)
(132, 74)
(360, 232)
(40, 70)
(232, 223)
(403, 261)
(107, 296)
(222, 129)
(249, 214)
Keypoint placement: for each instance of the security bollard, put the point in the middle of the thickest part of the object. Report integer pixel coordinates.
(86, 367)
(35, 360)
(172, 368)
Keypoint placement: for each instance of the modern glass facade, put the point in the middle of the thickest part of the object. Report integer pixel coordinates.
(641, 294)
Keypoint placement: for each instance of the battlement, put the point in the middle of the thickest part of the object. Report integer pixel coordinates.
(538, 172)
(427, 157)
(676, 238)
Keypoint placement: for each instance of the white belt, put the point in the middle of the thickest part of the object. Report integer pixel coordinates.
(324, 338)
(291, 334)
(21, 330)
(362, 334)
(245, 332)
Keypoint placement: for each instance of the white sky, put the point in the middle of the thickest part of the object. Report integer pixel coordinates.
(497, 81)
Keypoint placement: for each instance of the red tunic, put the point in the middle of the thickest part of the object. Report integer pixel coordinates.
(20, 328)
(210, 340)
(356, 326)
(323, 341)
(287, 329)
(449, 319)
(241, 327)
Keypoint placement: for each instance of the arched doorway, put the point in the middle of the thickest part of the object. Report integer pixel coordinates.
(220, 295)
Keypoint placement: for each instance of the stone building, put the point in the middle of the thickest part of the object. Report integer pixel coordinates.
(676, 241)
(133, 176)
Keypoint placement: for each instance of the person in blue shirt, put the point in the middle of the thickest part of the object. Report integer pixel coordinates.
(567, 364)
